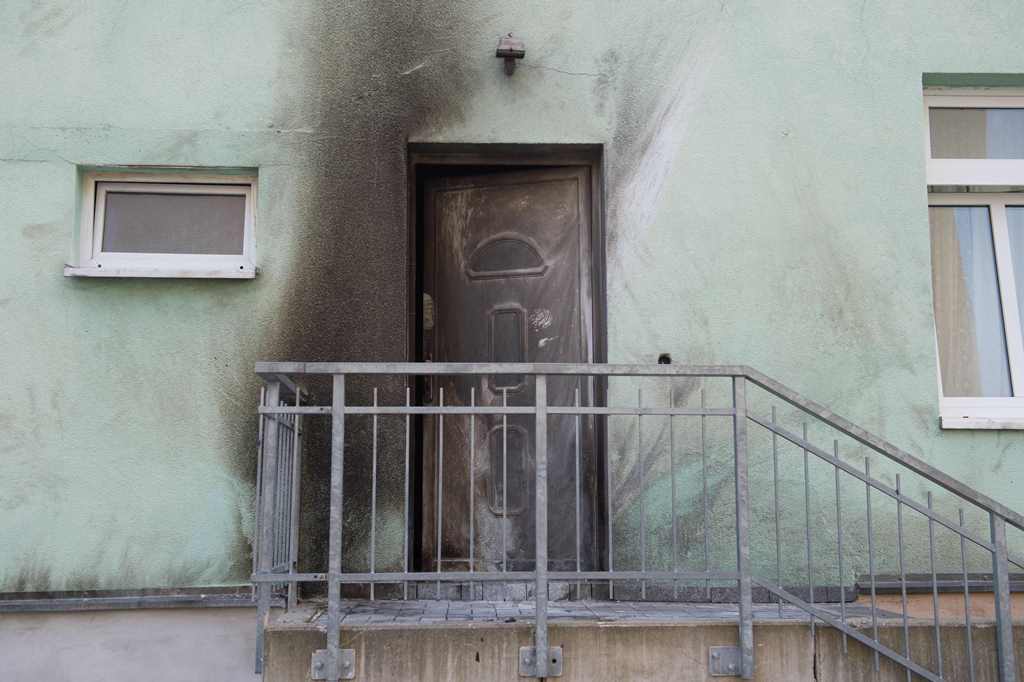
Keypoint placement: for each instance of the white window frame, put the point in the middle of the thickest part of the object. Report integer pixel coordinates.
(94, 262)
(991, 172)
(983, 413)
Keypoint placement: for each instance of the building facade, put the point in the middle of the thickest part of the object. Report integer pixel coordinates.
(762, 177)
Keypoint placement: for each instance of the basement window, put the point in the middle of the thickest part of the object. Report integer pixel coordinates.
(975, 173)
(173, 225)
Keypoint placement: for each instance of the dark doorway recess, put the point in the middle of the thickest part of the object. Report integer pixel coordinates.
(506, 264)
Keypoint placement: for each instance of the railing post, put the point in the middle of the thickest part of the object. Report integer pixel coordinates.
(333, 663)
(540, 660)
(265, 544)
(746, 634)
(296, 481)
(1001, 592)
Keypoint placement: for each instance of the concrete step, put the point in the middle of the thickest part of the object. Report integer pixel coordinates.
(479, 641)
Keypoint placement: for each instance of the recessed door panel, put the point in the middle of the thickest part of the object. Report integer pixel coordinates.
(507, 268)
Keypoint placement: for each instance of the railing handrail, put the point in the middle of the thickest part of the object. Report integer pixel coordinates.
(884, 447)
(272, 370)
(278, 371)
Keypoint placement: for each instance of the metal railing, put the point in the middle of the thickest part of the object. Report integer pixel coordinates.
(278, 487)
(734, 421)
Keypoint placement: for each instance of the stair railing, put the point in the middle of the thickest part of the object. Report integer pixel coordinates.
(743, 397)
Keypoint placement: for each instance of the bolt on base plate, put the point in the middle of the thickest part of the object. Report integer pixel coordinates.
(724, 661)
(531, 666)
(325, 668)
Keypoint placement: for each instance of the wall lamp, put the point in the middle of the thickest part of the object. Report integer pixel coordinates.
(510, 49)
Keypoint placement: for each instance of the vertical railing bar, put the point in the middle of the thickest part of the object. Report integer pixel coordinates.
(611, 539)
(287, 541)
(286, 497)
(871, 560)
(373, 500)
(282, 490)
(706, 523)
(778, 532)
(807, 530)
(903, 574)
(672, 469)
(335, 539)
(266, 512)
(935, 586)
(579, 566)
(541, 527)
(284, 483)
(285, 489)
(279, 482)
(746, 625)
(472, 486)
(440, 482)
(286, 494)
(259, 486)
(281, 485)
(296, 488)
(272, 493)
(643, 506)
(1003, 605)
(967, 600)
(504, 486)
(286, 513)
(405, 532)
(273, 497)
(839, 547)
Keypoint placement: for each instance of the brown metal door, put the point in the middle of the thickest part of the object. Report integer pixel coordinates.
(507, 278)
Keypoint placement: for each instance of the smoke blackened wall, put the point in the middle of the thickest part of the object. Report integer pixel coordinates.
(375, 75)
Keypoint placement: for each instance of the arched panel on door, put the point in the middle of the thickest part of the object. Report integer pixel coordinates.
(505, 255)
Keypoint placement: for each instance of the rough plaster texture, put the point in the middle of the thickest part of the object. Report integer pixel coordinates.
(765, 200)
(172, 645)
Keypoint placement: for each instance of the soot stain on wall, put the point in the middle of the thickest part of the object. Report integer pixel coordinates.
(347, 299)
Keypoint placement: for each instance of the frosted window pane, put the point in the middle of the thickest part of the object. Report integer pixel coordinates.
(968, 316)
(143, 222)
(977, 133)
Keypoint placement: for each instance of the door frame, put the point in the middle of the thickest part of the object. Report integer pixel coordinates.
(424, 156)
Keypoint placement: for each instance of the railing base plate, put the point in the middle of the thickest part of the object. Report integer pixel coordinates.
(324, 667)
(724, 661)
(529, 663)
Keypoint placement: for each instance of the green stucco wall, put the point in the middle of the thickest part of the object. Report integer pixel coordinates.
(765, 197)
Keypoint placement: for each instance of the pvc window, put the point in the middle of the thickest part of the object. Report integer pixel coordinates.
(975, 172)
(148, 225)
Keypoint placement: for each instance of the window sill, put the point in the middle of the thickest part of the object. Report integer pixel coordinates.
(162, 272)
(982, 413)
(982, 423)
(113, 600)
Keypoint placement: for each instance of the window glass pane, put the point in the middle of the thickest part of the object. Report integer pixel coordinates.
(968, 317)
(144, 222)
(977, 133)
(1015, 224)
